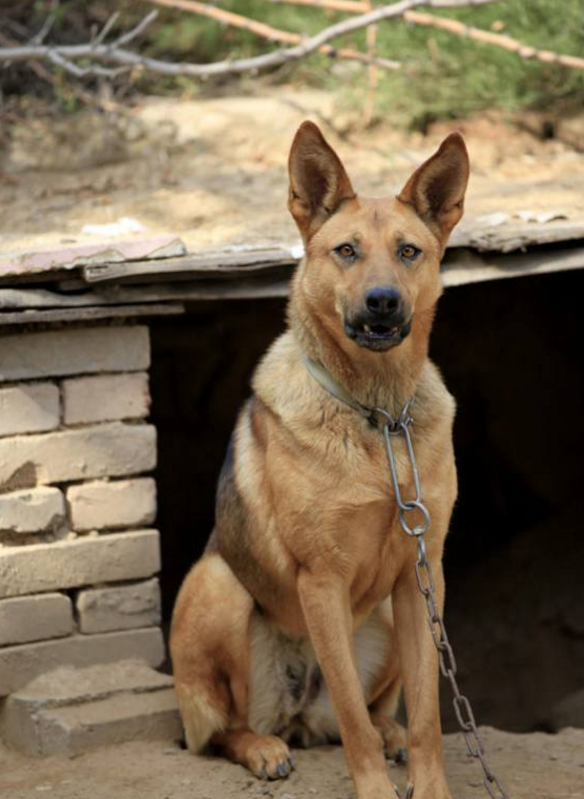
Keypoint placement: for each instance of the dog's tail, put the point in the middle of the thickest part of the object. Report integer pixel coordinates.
(201, 717)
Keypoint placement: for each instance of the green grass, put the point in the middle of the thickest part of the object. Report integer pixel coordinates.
(444, 76)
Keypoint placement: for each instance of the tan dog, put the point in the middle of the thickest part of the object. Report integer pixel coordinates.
(307, 573)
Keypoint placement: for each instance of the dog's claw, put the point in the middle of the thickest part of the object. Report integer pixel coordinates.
(409, 792)
(283, 769)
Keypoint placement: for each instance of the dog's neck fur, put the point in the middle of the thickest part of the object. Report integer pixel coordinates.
(384, 379)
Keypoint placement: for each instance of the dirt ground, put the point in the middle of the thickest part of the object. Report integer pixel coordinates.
(214, 171)
(552, 767)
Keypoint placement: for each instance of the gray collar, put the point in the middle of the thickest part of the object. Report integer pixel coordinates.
(377, 417)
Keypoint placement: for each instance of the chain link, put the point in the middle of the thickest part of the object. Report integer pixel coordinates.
(425, 579)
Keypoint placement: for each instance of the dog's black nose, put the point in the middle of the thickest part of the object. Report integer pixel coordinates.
(382, 300)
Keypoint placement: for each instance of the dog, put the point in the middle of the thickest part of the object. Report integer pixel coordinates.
(303, 618)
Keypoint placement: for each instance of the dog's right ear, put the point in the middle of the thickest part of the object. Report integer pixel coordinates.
(318, 181)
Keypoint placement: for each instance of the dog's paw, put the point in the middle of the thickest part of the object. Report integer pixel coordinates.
(394, 739)
(268, 757)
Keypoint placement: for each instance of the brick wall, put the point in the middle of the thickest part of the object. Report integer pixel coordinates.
(77, 557)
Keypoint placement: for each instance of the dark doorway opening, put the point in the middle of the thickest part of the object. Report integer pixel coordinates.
(510, 353)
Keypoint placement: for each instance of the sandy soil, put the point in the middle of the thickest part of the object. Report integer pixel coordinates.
(536, 766)
(214, 171)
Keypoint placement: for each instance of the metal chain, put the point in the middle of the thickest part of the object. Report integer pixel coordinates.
(464, 714)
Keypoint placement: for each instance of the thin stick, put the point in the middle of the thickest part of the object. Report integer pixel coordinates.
(372, 71)
(345, 6)
(268, 32)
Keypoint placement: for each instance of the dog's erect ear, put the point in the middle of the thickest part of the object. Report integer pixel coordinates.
(436, 189)
(318, 181)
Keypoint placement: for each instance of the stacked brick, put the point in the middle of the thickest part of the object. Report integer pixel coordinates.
(77, 555)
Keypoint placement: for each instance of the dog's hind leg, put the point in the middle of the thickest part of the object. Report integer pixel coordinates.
(385, 691)
(210, 648)
(208, 645)
(382, 713)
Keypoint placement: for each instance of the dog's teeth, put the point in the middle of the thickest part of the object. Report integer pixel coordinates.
(366, 328)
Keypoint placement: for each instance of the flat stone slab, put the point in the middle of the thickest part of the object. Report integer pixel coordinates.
(69, 711)
(68, 685)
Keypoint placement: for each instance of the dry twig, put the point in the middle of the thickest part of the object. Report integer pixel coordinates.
(269, 32)
(114, 53)
(496, 39)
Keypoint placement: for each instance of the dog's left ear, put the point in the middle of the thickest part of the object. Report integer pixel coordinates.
(436, 189)
(318, 181)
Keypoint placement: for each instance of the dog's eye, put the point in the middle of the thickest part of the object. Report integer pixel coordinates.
(408, 252)
(346, 251)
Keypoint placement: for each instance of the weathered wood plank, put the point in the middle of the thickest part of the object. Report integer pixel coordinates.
(514, 235)
(68, 258)
(89, 314)
(460, 267)
(212, 265)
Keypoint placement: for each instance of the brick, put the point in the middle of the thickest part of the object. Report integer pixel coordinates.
(74, 351)
(113, 449)
(35, 618)
(82, 561)
(21, 664)
(121, 607)
(106, 398)
(119, 503)
(34, 510)
(29, 408)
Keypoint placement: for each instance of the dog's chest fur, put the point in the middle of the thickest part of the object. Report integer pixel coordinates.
(287, 693)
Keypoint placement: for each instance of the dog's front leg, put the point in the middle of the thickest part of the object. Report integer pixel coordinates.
(419, 671)
(326, 607)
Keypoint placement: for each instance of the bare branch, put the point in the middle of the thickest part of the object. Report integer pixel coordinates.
(107, 28)
(126, 38)
(117, 55)
(39, 37)
(82, 72)
(272, 34)
(344, 6)
(496, 39)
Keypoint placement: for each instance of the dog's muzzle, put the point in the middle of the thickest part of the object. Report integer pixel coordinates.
(378, 333)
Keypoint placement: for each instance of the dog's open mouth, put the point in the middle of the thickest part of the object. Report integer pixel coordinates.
(377, 336)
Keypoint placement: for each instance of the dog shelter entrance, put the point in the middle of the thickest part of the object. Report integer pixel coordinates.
(509, 354)
(508, 349)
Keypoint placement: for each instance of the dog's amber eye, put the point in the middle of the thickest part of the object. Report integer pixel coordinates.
(346, 250)
(409, 252)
